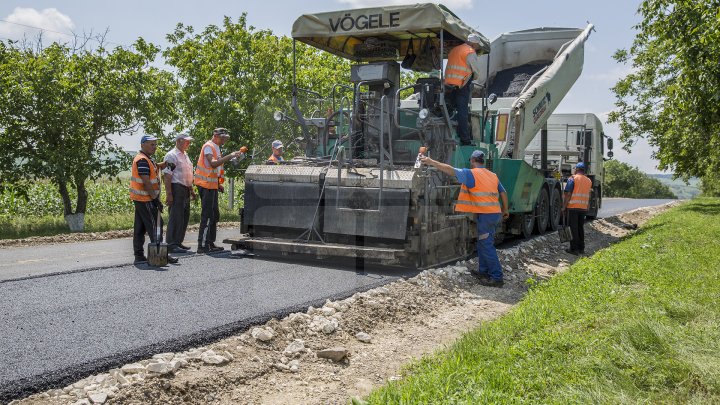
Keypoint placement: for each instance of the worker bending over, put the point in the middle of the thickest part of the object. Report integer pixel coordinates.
(480, 193)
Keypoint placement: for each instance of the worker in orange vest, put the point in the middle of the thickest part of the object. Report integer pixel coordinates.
(209, 178)
(481, 193)
(576, 200)
(462, 63)
(277, 151)
(145, 193)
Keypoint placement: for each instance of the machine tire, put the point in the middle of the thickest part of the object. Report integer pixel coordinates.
(542, 212)
(527, 224)
(555, 205)
(594, 204)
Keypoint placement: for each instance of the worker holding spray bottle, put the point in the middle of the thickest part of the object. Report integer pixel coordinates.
(481, 193)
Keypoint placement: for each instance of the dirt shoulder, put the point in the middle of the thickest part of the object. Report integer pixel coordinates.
(88, 236)
(373, 334)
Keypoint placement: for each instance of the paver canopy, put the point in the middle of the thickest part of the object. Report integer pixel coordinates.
(382, 33)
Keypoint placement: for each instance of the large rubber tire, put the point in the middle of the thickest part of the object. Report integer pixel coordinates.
(528, 224)
(542, 212)
(594, 204)
(555, 205)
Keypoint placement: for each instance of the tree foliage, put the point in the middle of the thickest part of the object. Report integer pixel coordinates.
(58, 104)
(672, 96)
(235, 76)
(623, 180)
(710, 185)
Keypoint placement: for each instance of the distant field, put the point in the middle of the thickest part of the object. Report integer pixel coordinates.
(678, 186)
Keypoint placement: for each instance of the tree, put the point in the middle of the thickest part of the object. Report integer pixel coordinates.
(672, 96)
(623, 180)
(235, 77)
(59, 104)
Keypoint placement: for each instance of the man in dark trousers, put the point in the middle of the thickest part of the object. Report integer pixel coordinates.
(178, 192)
(145, 193)
(462, 63)
(480, 193)
(209, 179)
(576, 200)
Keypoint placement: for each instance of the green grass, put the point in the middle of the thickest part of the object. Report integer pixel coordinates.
(639, 322)
(109, 208)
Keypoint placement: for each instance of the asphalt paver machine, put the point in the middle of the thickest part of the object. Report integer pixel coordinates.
(357, 191)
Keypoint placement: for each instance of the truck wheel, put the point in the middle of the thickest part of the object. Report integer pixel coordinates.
(555, 205)
(542, 212)
(528, 223)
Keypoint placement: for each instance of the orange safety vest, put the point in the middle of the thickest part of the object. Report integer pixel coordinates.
(273, 159)
(457, 71)
(484, 198)
(580, 198)
(137, 187)
(205, 175)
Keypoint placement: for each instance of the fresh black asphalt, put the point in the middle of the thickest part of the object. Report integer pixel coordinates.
(59, 328)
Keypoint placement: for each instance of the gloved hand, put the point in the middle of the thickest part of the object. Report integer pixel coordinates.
(170, 165)
(157, 204)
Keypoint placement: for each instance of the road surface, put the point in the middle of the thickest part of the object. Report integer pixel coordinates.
(71, 310)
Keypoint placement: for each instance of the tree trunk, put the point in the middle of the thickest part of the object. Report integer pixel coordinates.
(67, 204)
(82, 196)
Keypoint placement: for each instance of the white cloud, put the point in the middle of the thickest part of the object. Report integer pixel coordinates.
(451, 4)
(29, 23)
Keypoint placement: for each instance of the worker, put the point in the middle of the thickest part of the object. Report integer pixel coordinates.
(277, 152)
(209, 179)
(576, 200)
(480, 193)
(178, 192)
(462, 63)
(145, 194)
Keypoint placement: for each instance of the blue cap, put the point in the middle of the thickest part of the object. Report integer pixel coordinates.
(580, 165)
(477, 154)
(277, 144)
(146, 138)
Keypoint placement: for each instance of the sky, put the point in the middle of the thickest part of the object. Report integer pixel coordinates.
(125, 21)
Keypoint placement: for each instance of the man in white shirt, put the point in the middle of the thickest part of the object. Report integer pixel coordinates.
(178, 178)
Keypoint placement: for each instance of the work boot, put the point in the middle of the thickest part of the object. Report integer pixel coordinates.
(572, 252)
(140, 259)
(480, 276)
(203, 249)
(181, 246)
(172, 260)
(492, 282)
(176, 249)
(214, 248)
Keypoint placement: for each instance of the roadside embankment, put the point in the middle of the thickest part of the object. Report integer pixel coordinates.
(637, 322)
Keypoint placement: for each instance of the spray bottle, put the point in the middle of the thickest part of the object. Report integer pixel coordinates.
(421, 153)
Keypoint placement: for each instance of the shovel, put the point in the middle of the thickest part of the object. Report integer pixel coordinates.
(564, 232)
(157, 252)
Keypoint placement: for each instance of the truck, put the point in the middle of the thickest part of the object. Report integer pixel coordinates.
(573, 138)
(357, 192)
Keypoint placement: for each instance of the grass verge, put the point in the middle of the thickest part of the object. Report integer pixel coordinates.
(637, 322)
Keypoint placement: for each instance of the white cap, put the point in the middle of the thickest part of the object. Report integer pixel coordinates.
(277, 144)
(474, 39)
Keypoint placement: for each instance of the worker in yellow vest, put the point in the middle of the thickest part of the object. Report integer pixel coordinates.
(209, 178)
(145, 193)
(481, 193)
(576, 200)
(462, 63)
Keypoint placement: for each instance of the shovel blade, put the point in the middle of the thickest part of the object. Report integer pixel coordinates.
(565, 234)
(157, 254)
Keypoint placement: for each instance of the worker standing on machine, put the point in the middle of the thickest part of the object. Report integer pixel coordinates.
(277, 151)
(480, 193)
(209, 179)
(576, 199)
(462, 63)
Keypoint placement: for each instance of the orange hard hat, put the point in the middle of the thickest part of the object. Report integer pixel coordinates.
(244, 149)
